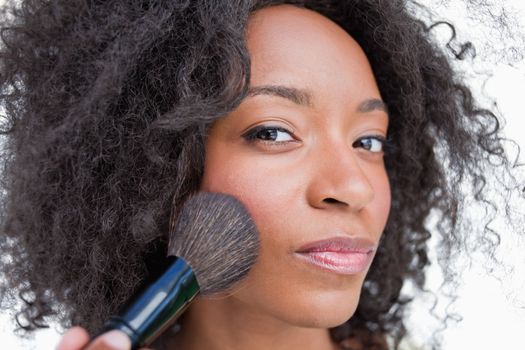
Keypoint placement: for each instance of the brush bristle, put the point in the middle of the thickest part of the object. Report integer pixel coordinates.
(217, 237)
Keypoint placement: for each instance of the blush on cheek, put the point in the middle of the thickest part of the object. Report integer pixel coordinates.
(233, 183)
(263, 195)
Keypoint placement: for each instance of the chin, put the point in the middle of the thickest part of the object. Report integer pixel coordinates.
(322, 321)
(324, 315)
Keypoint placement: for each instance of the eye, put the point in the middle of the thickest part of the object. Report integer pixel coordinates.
(374, 144)
(269, 133)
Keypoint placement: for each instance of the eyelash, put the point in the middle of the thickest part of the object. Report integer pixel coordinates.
(386, 144)
(252, 135)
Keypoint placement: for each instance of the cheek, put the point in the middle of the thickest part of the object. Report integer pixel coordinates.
(267, 190)
(272, 199)
(380, 207)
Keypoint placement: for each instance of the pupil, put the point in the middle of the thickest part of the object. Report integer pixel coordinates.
(268, 134)
(367, 144)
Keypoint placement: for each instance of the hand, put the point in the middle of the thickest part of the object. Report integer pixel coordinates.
(77, 338)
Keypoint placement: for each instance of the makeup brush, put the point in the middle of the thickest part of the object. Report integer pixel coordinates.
(212, 246)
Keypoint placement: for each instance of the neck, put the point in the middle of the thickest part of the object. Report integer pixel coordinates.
(230, 324)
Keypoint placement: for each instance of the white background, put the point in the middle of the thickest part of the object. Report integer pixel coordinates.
(493, 309)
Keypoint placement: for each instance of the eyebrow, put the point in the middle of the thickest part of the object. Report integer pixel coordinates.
(297, 96)
(372, 104)
(304, 98)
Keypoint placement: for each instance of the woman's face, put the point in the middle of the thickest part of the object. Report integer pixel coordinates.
(304, 153)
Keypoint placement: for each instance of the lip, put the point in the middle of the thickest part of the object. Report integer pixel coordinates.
(342, 255)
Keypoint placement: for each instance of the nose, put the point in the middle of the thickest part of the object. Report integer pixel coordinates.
(338, 180)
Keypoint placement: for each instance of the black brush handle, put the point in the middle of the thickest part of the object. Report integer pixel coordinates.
(157, 307)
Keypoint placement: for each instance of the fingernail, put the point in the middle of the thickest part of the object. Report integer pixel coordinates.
(117, 340)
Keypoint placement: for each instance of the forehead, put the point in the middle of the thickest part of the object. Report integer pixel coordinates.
(294, 46)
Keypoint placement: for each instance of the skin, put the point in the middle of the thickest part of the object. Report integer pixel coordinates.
(306, 177)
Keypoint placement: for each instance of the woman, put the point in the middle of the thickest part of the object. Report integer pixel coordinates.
(327, 119)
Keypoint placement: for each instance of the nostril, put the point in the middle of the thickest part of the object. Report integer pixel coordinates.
(332, 201)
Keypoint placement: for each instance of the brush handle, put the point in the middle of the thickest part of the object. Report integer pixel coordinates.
(158, 305)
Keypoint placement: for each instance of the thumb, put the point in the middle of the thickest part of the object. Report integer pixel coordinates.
(113, 340)
(74, 339)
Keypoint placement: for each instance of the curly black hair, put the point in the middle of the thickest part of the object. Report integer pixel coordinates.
(106, 106)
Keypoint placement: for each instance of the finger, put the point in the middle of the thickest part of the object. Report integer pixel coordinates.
(74, 339)
(114, 340)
